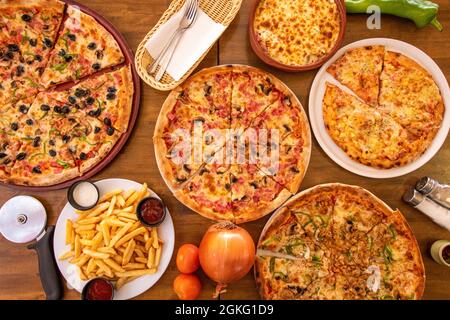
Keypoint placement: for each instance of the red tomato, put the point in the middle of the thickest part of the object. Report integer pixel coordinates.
(187, 258)
(187, 286)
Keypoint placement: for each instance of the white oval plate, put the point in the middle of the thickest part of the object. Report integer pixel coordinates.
(135, 287)
(337, 154)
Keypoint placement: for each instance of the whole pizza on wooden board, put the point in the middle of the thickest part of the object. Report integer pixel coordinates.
(239, 98)
(390, 113)
(51, 128)
(337, 241)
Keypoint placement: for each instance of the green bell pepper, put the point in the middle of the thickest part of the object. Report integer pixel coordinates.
(422, 12)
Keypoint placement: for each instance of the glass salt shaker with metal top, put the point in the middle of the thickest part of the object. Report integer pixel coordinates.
(435, 191)
(436, 212)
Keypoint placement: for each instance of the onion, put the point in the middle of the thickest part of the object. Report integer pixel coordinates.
(227, 253)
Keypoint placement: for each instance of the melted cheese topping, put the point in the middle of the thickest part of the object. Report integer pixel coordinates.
(297, 32)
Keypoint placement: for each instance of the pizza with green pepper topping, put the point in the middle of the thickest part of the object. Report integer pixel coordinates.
(84, 47)
(337, 241)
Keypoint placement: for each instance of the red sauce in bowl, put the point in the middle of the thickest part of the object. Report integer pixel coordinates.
(151, 210)
(99, 289)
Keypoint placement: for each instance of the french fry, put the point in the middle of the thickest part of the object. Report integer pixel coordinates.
(104, 267)
(141, 260)
(115, 266)
(86, 242)
(89, 221)
(77, 246)
(127, 215)
(136, 225)
(118, 258)
(95, 254)
(129, 236)
(126, 220)
(109, 195)
(121, 282)
(106, 235)
(120, 234)
(91, 266)
(135, 273)
(128, 194)
(67, 255)
(99, 209)
(116, 222)
(85, 227)
(108, 250)
(158, 256)
(132, 199)
(151, 257)
(128, 252)
(120, 201)
(69, 233)
(134, 266)
(139, 252)
(148, 244)
(111, 206)
(81, 273)
(83, 260)
(155, 243)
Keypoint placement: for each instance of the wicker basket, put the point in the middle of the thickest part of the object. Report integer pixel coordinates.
(220, 11)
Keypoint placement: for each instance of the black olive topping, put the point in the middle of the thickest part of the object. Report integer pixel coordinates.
(48, 43)
(14, 126)
(6, 161)
(90, 101)
(96, 66)
(107, 121)
(2, 155)
(36, 142)
(68, 58)
(227, 186)
(29, 122)
(26, 17)
(23, 109)
(80, 93)
(97, 129)
(13, 48)
(65, 110)
(45, 107)
(20, 70)
(21, 156)
(38, 57)
(71, 37)
(91, 113)
(110, 96)
(99, 54)
(37, 170)
(52, 153)
(72, 100)
(92, 46)
(234, 179)
(295, 170)
(110, 131)
(66, 138)
(51, 142)
(62, 53)
(83, 156)
(33, 42)
(57, 109)
(112, 89)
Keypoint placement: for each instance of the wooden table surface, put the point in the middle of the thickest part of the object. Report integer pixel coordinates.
(19, 278)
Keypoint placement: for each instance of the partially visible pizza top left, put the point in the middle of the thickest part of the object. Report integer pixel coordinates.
(65, 95)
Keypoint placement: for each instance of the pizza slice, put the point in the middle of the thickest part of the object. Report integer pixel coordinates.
(33, 27)
(84, 47)
(107, 97)
(359, 69)
(208, 192)
(253, 91)
(210, 88)
(365, 134)
(253, 194)
(411, 97)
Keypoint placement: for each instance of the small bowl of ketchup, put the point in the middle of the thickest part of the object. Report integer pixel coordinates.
(98, 289)
(151, 212)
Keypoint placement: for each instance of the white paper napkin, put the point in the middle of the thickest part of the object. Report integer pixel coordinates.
(194, 42)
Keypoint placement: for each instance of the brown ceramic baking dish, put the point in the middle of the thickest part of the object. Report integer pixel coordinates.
(262, 54)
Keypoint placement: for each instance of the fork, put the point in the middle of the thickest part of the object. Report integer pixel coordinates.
(188, 18)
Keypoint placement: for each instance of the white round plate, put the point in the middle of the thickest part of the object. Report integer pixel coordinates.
(135, 287)
(337, 154)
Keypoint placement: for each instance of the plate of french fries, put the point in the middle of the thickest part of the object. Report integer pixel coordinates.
(108, 241)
